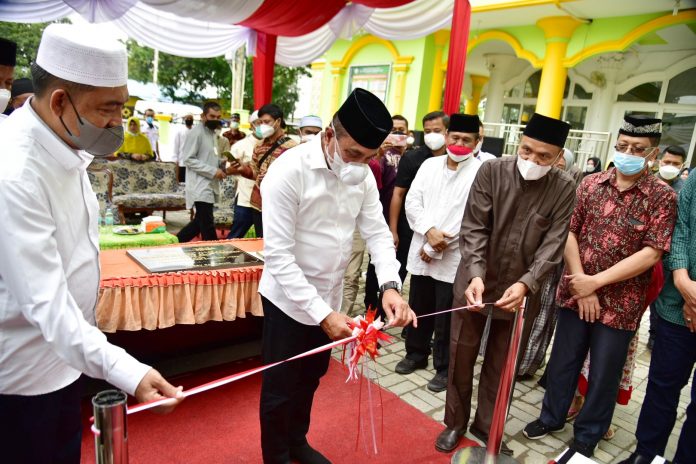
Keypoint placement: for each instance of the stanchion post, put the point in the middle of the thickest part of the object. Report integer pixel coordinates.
(110, 427)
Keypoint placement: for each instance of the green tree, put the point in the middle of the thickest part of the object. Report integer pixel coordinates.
(27, 37)
(185, 79)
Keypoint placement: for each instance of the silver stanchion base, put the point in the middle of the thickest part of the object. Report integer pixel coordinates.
(477, 455)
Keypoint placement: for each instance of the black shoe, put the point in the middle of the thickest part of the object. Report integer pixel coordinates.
(483, 437)
(538, 429)
(583, 448)
(636, 458)
(438, 383)
(305, 454)
(408, 366)
(448, 440)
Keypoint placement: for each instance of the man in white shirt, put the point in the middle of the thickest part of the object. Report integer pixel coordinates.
(151, 131)
(243, 151)
(482, 155)
(49, 254)
(315, 194)
(434, 208)
(179, 140)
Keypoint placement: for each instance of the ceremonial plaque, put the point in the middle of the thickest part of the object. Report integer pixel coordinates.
(192, 258)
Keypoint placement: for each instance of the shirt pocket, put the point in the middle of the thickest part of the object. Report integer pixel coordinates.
(635, 229)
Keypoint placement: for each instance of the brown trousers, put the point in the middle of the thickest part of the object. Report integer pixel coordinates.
(465, 341)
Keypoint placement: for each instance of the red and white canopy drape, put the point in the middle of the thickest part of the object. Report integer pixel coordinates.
(275, 31)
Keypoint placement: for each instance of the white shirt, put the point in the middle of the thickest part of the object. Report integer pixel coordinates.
(243, 151)
(179, 140)
(152, 134)
(437, 198)
(49, 266)
(485, 156)
(309, 216)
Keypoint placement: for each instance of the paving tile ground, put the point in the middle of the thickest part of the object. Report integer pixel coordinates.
(526, 398)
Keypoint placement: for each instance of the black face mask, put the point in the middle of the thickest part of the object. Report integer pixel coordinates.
(188, 122)
(213, 124)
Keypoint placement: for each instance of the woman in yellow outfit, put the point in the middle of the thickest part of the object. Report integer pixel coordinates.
(135, 145)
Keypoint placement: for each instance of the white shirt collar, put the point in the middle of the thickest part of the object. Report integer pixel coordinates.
(67, 157)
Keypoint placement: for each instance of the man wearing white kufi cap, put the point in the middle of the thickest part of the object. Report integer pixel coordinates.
(49, 263)
(310, 126)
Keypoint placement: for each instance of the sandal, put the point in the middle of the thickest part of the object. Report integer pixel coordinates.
(610, 434)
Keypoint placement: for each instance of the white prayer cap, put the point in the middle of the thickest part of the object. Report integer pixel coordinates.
(311, 121)
(254, 116)
(68, 53)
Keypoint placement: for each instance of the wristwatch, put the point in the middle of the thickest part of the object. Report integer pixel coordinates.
(391, 285)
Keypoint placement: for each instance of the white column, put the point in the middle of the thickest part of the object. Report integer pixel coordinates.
(498, 66)
(603, 98)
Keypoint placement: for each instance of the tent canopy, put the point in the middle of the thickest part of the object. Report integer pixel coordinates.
(274, 31)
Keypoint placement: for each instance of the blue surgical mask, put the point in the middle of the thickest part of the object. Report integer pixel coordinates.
(628, 165)
(149, 120)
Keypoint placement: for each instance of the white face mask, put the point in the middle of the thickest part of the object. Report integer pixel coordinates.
(234, 125)
(264, 130)
(589, 167)
(5, 96)
(410, 140)
(307, 138)
(434, 140)
(530, 170)
(669, 172)
(477, 149)
(348, 173)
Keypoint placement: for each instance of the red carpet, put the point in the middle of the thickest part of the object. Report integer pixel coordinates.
(222, 425)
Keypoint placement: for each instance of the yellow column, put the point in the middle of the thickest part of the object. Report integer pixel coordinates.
(477, 83)
(337, 72)
(435, 101)
(401, 67)
(557, 30)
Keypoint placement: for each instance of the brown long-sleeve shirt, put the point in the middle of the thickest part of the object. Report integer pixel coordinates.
(513, 230)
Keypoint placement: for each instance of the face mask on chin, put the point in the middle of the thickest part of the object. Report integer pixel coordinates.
(348, 173)
(434, 140)
(97, 141)
(529, 170)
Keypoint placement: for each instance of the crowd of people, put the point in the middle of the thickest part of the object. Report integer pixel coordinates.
(589, 250)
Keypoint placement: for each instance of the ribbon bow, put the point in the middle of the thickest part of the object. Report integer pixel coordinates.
(367, 331)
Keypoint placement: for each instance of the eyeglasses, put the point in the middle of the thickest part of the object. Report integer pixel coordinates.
(640, 151)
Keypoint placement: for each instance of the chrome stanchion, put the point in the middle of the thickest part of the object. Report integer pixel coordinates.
(110, 427)
(491, 453)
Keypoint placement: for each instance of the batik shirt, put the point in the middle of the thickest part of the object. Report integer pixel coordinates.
(611, 225)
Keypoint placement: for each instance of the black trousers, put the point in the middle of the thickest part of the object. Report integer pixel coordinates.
(258, 222)
(43, 428)
(428, 295)
(203, 223)
(372, 287)
(287, 390)
(608, 350)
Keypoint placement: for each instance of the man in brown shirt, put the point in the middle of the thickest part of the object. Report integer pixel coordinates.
(513, 232)
(271, 128)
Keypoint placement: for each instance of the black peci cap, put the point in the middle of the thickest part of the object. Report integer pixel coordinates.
(365, 118)
(547, 130)
(468, 123)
